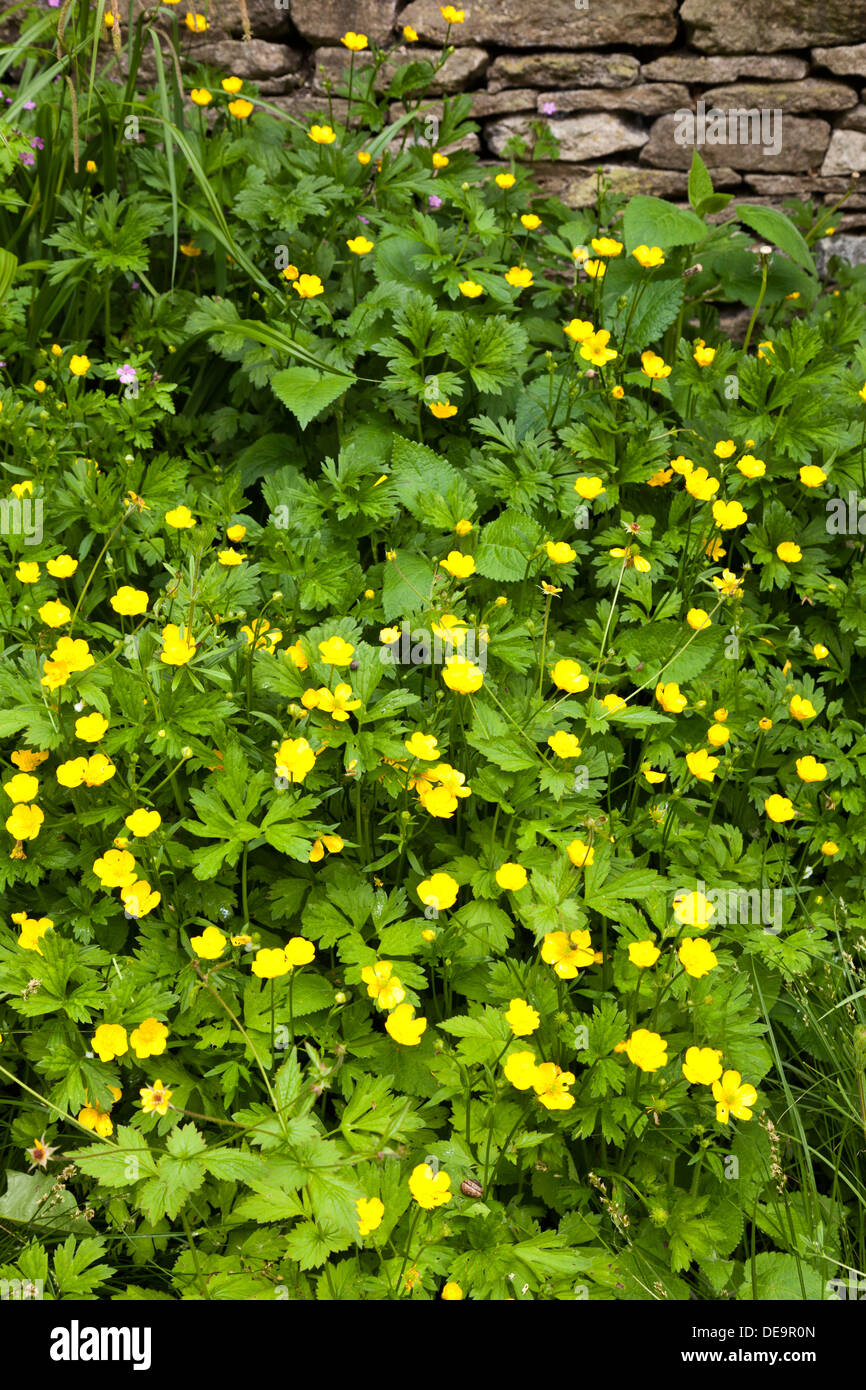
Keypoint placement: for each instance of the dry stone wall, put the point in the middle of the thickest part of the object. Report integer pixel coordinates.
(614, 80)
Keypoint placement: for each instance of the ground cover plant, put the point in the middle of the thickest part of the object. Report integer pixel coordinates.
(431, 708)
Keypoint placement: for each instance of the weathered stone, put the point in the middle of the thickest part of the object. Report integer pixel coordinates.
(484, 105)
(847, 153)
(562, 70)
(549, 23)
(849, 248)
(459, 71)
(580, 137)
(847, 61)
(803, 144)
(325, 21)
(789, 186)
(647, 99)
(576, 184)
(309, 108)
(225, 19)
(810, 94)
(730, 26)
(695, 67)
(854, 120)
(499, 103)
(252, 61)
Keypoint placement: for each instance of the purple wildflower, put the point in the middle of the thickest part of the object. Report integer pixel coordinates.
(27, 157)
(434, 201)
(37, 142)
(127, 374)
(29, 106)
(548, 108)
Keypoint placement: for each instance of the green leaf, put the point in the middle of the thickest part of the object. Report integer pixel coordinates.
(307, 392)
(700, 183)
(776, 227)
(655, 222)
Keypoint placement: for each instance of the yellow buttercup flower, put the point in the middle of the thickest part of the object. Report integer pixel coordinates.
(294, 758)
(458, 565)
(779, 808)
(241, 108)
(522, 1019)
(702, 1065)
(79, 364)
(696, 957)
(519, 277)
(232, 85)
(201, 96)
(727, 515)
(530, 221)
(654, 366)
(180, 518)
(564, 745)
(359, 245)
(196, 23)
(551, 1085)
(383, 986)
(354, 42)
(451, 1292)
(646, 1050)
(579, 330)
(647, 256)
(430, 1189)
(155, 1099)
(733, 1097)
(402, 1025)
(809, 769)
(149, 1039)
(470, 289)
(22, 787)
(110, 1041)
(589, 488)
(699, 619)
(560, 552)
(812, 476)
(440, 161)
(750, 467)
(28, 572)
(438, 891)
(567, 675)
(505, 181)
(669, 697)
(129, 601)
(462, 676)
(606, 246)
(568, 952)
(452, 15)
(580, 854)
(512, 877)
(423, 746)
(704, 356)
(789, 552)
(370, 1213)
(91, 727)
(54, 613)
(725, 448)
(308, 286)
(61, 567)
(336, 651)
(700, 484)
(142, 823)
(701, 765)
(520, 1069)
(801, 708)
(596, 350)
(643, 953)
